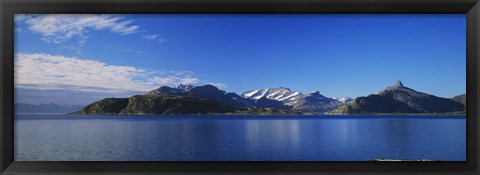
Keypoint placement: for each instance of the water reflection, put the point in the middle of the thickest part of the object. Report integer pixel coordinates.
(229, 138)
(277, 137)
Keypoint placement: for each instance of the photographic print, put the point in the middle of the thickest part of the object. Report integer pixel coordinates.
(240, 87)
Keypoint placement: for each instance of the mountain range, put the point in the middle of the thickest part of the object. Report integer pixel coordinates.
(208, 99)
(400, 99)
(461, 99)
(45, 108)
(312, 102)
(188, 99)
(284, 95)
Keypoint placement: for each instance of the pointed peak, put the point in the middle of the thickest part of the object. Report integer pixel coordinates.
(281, 87)
(184, 87)
(397, 86)
(345, 99)
(398, 83)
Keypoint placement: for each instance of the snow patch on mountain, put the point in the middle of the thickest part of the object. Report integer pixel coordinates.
(345, 99)
(285, 95)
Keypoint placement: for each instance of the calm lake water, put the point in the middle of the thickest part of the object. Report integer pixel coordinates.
(238, 138)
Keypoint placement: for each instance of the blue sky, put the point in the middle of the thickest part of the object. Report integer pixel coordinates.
(339, 55)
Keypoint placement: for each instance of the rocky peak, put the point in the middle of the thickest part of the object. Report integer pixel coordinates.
(315, 96)
(397, 86)
(283, 88)
(314, 93)
(398, 83)
(345, 99)
(183, 87)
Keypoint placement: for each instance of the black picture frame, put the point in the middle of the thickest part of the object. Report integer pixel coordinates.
(10, 7)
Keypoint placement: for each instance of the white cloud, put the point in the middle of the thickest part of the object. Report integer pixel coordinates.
(54, 72)
(173, 80)
(59, 28)
(155, 37)
(189, 80)
(150, 37)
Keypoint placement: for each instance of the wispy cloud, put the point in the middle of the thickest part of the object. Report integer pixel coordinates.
(19, 30)
(173, 80)
(132, 51)
(58, 28)
(75, 49)
(55, 72)
(155, 37)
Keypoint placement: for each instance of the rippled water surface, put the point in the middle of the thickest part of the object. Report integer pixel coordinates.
(237, 138)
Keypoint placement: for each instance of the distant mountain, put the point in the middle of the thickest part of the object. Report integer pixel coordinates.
(184, 99)
(207, 92)
(154, 104)
(264, 102)
(284, 95)
(165, 90)
(208, 99)
(345, 99)
(46, 108)
(105, 106)
(315, 102)
(184, 87)
(142, 104)
(400, 99)
(461, 99)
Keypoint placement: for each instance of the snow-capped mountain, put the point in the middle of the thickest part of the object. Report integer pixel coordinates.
(279, 98)
(312, 102)
(344, 99)
(165, 90)
(285, 95)
(183, 87)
